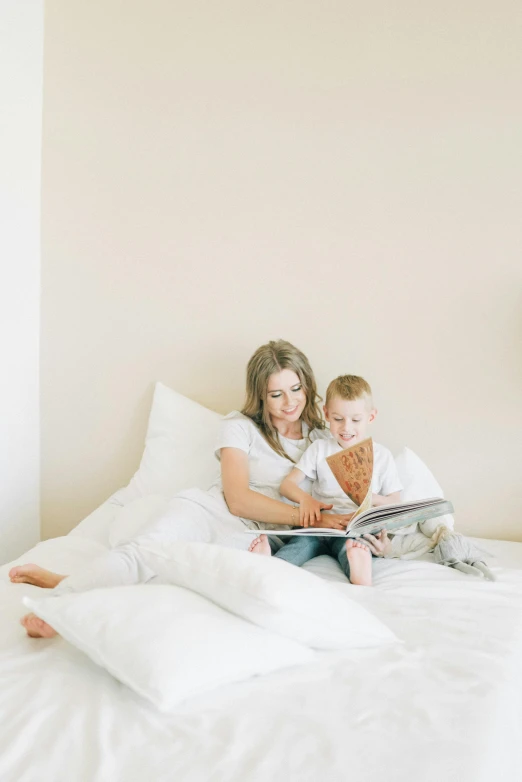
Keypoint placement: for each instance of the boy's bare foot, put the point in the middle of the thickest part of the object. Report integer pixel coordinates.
(260, 545)
(36, 575)
(360, 561)
(36, 627)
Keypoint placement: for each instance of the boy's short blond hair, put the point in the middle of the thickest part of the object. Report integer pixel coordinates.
(349, 387)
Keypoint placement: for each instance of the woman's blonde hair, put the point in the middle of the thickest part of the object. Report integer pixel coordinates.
(268, 359)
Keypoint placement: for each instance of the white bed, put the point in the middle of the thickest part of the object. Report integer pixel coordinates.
(446, 703)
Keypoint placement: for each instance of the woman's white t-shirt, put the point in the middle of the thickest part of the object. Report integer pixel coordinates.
(267, 469)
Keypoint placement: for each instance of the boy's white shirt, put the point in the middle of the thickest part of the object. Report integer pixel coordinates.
(385, 479)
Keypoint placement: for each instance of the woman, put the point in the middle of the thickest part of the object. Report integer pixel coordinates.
(257, 449)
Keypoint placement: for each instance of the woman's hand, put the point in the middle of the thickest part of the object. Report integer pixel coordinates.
(333, 520)
(379, 545)
(310, 511)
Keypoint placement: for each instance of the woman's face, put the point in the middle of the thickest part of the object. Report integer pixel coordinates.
(285, 397)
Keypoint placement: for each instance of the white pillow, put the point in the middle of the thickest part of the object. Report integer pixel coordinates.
(419, 483)
(179, 448)
(164, 642)
(268, 592)
(130, 520)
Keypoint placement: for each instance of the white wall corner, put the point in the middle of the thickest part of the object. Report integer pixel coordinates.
(21, 77)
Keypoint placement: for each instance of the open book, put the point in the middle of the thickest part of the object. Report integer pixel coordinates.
(353, 470)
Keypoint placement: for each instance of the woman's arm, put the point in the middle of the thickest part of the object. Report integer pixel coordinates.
(309, 508)
(243, 501)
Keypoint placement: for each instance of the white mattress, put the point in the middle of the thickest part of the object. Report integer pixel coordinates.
(445, 704)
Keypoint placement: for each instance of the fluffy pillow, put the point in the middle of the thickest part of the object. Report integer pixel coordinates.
(164, 642)
(179, 448)
(269, 592)
(419, 483)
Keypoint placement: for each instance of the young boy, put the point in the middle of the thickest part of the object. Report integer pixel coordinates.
(349, 410)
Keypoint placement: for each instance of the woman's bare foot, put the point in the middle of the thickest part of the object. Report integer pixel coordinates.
(360, 561)
(36, 575)
(260, 545)
(36, 627)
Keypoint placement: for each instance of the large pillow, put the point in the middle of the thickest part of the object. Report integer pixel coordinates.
(179, 448)
(164, 642)
(419, 483)
(268, 592)
(417, 480)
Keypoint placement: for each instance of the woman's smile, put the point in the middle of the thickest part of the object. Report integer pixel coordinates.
(286, 398)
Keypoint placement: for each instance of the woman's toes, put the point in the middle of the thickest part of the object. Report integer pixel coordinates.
(36, 627)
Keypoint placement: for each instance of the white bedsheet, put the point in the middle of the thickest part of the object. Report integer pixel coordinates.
(446, 704)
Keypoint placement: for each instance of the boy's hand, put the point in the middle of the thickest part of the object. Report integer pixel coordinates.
(310, 511)
(378, 500)
(389, 499)
(379, 545)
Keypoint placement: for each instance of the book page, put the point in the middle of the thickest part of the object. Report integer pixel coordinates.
(365, 505)
(353, 470)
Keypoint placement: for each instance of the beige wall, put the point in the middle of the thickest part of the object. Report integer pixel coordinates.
(344, 175)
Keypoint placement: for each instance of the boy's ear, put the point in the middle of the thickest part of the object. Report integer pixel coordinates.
(325, 411)
(373, 415)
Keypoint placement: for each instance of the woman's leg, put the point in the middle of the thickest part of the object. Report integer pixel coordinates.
(119, 567)
(116, 567)
(355, 559)
(35, 575)
(127, 564)
(184, 519)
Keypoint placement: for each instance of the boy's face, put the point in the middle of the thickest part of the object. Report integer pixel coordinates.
(349, 419)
